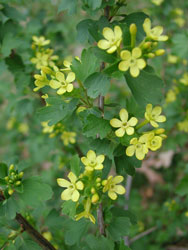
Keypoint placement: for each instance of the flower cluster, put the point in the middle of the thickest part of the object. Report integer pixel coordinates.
(88, 189)
(145, 141)
(135, 58)
(13, 180)
(58, 129)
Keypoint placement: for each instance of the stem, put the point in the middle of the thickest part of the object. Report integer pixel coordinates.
(100, 220)
(127, 197)
(37, 237)
(142, 124)
(137, 237)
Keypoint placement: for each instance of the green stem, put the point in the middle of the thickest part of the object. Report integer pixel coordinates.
(142, 124)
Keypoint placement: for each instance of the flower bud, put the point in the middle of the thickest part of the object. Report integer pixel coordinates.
(80, 109)
(93, 190)
(159, 131)
(6, 178)
(11, 167)
(133, 29)
(10, 191)
(95, 198)
(98, 179)
(155, 44)
(98, 184)
(150, 55)
(20, 175)
(147, 45)
(46, 70)
(18, 183)
(159, 52)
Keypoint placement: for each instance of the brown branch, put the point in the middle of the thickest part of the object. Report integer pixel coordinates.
(137, 237)
(100, 220)
(37, 237)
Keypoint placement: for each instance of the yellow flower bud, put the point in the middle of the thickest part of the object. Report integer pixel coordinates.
(98, 184)
(20, 175)
(47, 235)
(46, 70)
(159, 52)
(133, 29)
(6, 178)
(80, 109)
(11, 167)
(151, 55)
(93, 190)
(159, 131)
(18, 183)
(98, 179)
(10, 191)
(186, 214)
(95, 198)
(147, 45)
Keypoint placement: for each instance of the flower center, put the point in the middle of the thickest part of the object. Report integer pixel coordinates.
(124, 124)
(92, 163)
(133, 61)
(138, 146)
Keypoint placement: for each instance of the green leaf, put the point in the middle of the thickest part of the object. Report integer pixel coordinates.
(179, 40)
(99, 243)
(95, 125)
(87, 66)
(35, 191)
(3, 170)
(83, 30)
(75, 164)
(69, 5)
(94, 4)
(104, 56)
(119, 227)
(30, 245)
(9, 43)
(57, 110)
(10, 208)
(97, 84)
(146, 88)
(69, 208)
(182, 188)
(121, 163)
(122, 246)
(76, 230)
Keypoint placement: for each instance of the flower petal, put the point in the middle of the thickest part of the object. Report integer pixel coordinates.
(140, 154)
(157, 110)
(63, 183)
(79, 185)
(85, 160)
(161, 118)
(118, 179)
(134, 70)
(125, 55)
(112, 195)
(91, 155)
(120, 132)
(54, 84)
(112, 49)
(100, 158)
(115, 123)
(124, 65)
(154, 124)
(130, 150)
(66, 194)
(136, 52)
(117, 32)
(70, 77)
(133, 121)
(99, 166)
(129, 130)
(61, 91)
(108, 33)
(119, 189)
(123, 115)
(75, 196)
(72, 177)
(69, 87)
(103, 44)
(60, 76)
(141, 63)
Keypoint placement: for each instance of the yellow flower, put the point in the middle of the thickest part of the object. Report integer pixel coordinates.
(138, 147)
(170, 96)
(63, 85)
(47, 128)
(178, 11)
(183, 126)
(153, 116)
(93, 162)
(154, 142)
(157, 2)
(86, 213)
(40, 41)
(172, 59)
(23, 128)
(68, 137)
(155, 33)
(184, 79)
(179, 21)
(40, 60)
(112, 39)
(41, 81)
(132, 60)
(124, 124)
(11, 122)
(186, 214)
(72, 187)
(47, 235)
(111, 186)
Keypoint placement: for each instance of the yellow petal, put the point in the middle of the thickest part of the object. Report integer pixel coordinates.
(141, 63)
(161, 118)
(75, 196)
(157, 110)
(72, 177)
(63, 183)
(133, 121)
(134, 141)
(120, 132)
(134, 71)
(123, 115)
(61, 91)
(124, 65)
(103, 44)
(118, 179)
(163, 38)
(130, 150)
(112, 49)
(66, 194)
(100, 158)
(117, 32)
(91, 155)
(54, 84)
(60, 76)
(99, 166)
(70, 77)
(140, 155)
(115, 123)
(125, 55)
(112, 195)
(80, 215)
(108, 33)
(79, 185)
(85, 160)
(129, 130)
(119, 189)
(149, 108)
(69, 87)
(136, 52)
(92, 218)
(154, 124)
